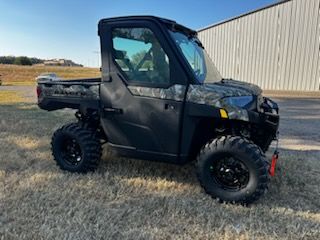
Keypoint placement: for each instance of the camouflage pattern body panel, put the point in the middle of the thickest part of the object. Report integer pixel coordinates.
(233, 111)
(209, 94)
(175, 92)
(61, 90)
(252, 88)
(213, 94)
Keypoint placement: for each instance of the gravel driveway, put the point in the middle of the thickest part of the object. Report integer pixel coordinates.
(299, 123)
(29, 92)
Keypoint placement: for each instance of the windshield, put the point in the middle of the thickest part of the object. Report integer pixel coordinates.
(198, 59)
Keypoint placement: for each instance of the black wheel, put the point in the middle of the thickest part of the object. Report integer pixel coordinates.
(233, 169)
(76, 149)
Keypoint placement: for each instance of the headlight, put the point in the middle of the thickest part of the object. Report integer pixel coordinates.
(240, 102)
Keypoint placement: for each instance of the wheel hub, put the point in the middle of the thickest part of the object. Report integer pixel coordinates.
(230, 173)
(71, 151)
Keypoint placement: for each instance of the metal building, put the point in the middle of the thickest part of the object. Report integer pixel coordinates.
(276, 47)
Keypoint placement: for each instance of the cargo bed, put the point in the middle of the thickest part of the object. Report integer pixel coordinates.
(75, 93)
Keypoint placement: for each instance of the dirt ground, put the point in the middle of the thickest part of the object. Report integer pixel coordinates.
(134, 199)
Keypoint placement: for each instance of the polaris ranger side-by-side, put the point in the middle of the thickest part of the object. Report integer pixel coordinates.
(161, 98)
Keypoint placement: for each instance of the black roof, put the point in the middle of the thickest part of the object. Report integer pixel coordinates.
(170, 23)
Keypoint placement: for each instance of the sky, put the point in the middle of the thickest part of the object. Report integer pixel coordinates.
(68, 29)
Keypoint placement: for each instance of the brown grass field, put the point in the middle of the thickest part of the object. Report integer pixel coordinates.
(25, 75)
(134, 199)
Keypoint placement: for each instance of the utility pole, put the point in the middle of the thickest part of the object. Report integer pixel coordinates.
(98, 55)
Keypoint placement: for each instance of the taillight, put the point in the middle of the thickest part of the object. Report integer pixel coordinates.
(38, 91)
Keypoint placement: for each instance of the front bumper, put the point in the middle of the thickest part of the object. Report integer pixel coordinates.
(265, 124)
(266, 121)
(267, 115)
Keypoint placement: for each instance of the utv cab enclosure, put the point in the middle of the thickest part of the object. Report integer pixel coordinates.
(161, 98)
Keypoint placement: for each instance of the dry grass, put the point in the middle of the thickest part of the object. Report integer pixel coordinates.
(132, 199)
(25, 75)
(11, 97)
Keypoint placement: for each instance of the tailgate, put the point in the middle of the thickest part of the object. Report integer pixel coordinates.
(53, 95)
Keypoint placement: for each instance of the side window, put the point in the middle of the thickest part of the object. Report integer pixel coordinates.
(193, 53)
(194, 57)
(140, 56)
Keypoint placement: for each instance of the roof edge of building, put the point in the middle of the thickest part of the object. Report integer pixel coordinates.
(243, 15)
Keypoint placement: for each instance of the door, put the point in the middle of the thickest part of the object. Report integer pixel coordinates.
(143, 91)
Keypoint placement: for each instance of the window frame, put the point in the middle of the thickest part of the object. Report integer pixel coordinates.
(176, 73)
(125, 75)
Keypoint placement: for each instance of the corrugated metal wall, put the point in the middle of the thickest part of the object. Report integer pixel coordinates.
(277, 48)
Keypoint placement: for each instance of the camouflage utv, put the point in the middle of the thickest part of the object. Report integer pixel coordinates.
(161, 98)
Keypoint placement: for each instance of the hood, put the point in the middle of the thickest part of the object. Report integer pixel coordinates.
(250, 88)
(214, 94)
(209, 93)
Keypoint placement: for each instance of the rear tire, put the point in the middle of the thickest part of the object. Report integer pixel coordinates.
(76, 149)
(233, 169)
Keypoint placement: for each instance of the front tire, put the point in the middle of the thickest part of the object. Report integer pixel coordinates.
(76, 149)
(233, 169)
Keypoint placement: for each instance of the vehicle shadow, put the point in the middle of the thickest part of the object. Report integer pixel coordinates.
(128, 167)
(295, 186)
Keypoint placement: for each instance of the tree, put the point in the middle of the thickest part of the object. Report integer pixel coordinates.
(19, 60)
(22, 61)
(7, 59)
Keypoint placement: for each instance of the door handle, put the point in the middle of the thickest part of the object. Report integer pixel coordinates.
(169, 106)
(113, 110)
